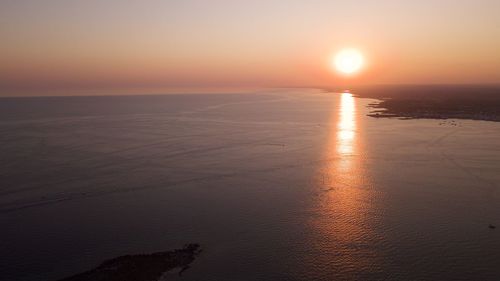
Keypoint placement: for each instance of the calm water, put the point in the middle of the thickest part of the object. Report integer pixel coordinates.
(276, 185)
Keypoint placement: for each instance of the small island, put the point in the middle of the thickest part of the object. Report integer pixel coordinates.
(141, 267)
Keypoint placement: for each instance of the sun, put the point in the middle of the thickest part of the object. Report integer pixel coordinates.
(348, 61)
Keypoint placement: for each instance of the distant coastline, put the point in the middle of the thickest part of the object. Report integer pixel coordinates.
(474, 102)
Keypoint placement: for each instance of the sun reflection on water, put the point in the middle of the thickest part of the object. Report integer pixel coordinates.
(342, 229)
(346, 128)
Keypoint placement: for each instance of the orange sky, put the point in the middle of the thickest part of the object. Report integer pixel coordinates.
(75, 47)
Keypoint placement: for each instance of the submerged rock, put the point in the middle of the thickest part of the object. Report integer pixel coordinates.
(140, 267)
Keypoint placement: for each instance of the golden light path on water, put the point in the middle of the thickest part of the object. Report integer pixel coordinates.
(346, 131)
(342, 227)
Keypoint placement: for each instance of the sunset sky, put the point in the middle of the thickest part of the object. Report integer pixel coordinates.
(96, 46)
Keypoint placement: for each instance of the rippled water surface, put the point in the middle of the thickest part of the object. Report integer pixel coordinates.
(275, 185)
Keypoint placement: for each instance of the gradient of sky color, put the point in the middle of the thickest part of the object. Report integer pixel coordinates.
(71, 46)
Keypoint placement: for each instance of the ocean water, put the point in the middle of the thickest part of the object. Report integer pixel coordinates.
(275, 185)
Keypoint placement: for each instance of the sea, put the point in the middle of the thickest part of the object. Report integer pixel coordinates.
(274, 184)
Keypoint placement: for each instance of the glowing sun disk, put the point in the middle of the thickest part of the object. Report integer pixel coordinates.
(348, 61)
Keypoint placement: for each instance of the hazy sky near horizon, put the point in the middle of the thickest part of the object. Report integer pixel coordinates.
(76, 46)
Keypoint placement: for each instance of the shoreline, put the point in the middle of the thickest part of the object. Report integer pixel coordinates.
(480, 103)
(393, 109)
